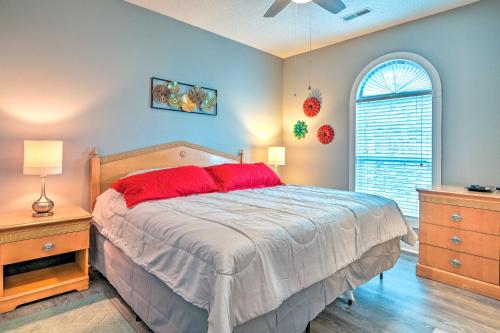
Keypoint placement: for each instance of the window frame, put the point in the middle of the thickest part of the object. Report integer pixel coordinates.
(436, 112)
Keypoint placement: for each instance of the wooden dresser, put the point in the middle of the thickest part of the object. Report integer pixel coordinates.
(460, 239)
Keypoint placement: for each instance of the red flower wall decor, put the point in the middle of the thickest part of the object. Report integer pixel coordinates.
(311, 106)
(325, 134)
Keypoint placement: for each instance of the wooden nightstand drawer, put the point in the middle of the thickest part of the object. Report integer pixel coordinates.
(466, 218)
(43, 247)
(475, 267)
(460, 240)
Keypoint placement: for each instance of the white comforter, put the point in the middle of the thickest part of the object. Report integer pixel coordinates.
(241, 254)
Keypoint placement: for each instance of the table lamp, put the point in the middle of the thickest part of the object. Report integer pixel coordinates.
(42, 158)
(275, 157)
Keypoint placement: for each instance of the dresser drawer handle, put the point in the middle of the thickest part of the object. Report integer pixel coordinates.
(48, 246)
(456, 240)
(455, 263)
(456, 217)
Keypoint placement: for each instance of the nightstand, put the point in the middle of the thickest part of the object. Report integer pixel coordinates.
(42, 257)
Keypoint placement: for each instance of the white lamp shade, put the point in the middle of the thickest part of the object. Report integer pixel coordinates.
(42, 157)
(276, 155)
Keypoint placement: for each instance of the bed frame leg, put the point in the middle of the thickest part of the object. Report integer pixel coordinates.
(308, 328)
(381, 276)
(349, 295)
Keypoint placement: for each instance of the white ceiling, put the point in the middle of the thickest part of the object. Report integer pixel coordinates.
(242, 20)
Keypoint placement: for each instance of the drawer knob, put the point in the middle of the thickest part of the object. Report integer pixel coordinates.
(48, 246)
(456, 240)
(455, 263)
(456, 217)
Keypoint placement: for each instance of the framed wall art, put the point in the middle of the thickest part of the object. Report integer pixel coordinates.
(183, 97)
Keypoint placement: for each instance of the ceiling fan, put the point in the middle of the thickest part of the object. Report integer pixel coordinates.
(333, 6)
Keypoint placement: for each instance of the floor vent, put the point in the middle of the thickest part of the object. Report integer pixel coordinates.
(357, 14)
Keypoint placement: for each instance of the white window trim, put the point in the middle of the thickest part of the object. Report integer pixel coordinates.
(436, 111)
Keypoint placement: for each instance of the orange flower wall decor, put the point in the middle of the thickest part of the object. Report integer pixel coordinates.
(325, 134)
(311, 106)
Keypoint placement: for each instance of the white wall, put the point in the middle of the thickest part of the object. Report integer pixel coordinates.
(79, 71)
(463, 45)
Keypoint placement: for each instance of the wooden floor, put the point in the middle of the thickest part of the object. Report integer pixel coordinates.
(401, 302)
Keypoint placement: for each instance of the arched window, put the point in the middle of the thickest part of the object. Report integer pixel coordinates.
(394, 135)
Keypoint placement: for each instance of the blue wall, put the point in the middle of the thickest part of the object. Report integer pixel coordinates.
(79, 71)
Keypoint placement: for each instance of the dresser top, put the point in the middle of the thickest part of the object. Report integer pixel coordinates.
(23, 219)
(453, 189)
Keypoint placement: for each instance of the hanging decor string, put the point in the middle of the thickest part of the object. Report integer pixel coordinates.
(295, 56)
(310, 46)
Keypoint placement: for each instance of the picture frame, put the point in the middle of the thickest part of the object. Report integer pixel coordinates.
(182, 97)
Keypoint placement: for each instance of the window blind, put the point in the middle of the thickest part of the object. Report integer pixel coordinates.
(393, 147)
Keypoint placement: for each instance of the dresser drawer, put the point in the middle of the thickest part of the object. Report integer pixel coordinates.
(43, 247)
(466, 218)
(470, 242)
(464, 264)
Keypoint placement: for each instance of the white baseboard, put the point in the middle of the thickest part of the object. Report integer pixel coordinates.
(413, 252)
(409, 249)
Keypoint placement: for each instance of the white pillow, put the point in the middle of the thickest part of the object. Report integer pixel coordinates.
(138, 172)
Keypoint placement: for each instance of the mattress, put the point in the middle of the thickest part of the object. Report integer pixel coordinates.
(166, 312)
(240, 255)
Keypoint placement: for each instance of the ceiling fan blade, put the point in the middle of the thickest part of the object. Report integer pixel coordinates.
(333, 6)
(276, 7)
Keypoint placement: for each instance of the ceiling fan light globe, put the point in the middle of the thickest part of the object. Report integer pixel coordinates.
(301, 1)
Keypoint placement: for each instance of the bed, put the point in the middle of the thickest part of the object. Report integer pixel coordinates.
(255, 260)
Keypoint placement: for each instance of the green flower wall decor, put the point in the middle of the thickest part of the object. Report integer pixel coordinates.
(300, 129)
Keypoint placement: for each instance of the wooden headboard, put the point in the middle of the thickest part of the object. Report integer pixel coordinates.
(105, 170)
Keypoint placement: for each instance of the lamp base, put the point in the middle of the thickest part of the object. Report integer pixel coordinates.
(35, 214)
(43, 206)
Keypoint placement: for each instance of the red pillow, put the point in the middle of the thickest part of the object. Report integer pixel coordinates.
(231, 177)
(164, 184)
